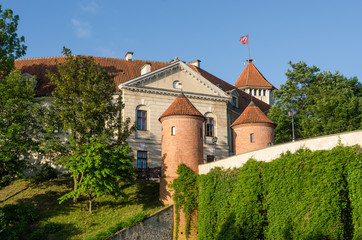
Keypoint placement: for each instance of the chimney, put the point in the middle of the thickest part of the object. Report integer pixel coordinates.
(146, 68)
(129, 56)
(195, 63)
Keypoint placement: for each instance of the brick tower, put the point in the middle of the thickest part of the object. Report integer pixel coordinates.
(253, 130)
(181, 142)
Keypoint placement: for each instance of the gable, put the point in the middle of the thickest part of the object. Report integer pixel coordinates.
(168, 78)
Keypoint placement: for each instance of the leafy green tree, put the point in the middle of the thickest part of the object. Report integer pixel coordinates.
(85, 108)
(11, 46)
(18, 125)
(325, 103)
(102, 167)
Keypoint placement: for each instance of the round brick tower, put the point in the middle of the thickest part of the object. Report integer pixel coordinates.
(181, 142)
(253, 130)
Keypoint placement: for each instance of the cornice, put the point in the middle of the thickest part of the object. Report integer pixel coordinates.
(176, 93)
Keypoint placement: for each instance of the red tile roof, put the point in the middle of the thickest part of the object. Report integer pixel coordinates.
(181, 106)
(122, 69)
(244, 98)
(252, 77)
(252, 114)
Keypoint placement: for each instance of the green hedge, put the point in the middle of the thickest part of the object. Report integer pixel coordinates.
(305, 195)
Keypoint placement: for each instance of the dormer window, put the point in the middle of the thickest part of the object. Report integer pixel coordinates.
(234, 101)
(234, 98)
(219, 86)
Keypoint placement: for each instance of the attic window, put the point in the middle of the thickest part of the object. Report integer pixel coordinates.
(177, 84)
(219, 86)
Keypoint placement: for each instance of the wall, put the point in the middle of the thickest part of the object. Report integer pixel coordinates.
(270, 153)
(157, 227)
(157, 103)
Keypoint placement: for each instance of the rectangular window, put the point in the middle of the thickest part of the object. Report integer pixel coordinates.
(264, 92)
(210, 158)
(254, 92)
(141, 159)
(209, 127)
(251, 137)
(173, 131)
(259, 92)
(141, 120)
(234, 101)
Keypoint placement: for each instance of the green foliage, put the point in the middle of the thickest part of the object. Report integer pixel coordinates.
(305, 195)
(84, 108)
(18, 125)
(185, 195)
(16, 220)
(326, 103)
(11, 46)
(216, 189)
(102, 167)
(129, 222)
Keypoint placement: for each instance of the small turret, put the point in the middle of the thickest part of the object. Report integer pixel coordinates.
(253, 130)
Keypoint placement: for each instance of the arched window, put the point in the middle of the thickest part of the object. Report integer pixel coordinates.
(209, 127)
(173, 131)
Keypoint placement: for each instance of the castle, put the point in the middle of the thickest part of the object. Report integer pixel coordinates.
(148, 88)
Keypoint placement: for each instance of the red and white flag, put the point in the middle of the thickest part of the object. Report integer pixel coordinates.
(244, 40)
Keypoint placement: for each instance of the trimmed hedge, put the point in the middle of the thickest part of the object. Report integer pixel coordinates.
(305, 195)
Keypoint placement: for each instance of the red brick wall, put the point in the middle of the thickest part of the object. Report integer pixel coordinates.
(263, 134)
(185, 147)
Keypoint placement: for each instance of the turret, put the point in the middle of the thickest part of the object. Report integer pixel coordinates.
(253, 130)
(182, 141)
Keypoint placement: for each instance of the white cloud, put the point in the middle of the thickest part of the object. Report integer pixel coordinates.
(90, 7)
(82, 29)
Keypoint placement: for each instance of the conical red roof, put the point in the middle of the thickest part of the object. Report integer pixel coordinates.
(252, 114)
(181, 106)
(252, 77)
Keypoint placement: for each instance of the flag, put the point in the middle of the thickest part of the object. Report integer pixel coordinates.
(244, 40)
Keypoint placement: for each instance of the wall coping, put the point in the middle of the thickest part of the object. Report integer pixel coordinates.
(270, 153)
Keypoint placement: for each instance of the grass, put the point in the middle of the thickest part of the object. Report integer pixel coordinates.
(72, 220)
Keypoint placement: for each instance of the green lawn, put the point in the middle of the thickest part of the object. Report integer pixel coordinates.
(73, 221)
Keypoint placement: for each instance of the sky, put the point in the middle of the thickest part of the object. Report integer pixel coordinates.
(324, 33)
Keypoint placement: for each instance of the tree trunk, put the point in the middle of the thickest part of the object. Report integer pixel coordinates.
(90, 206)
(75, 187)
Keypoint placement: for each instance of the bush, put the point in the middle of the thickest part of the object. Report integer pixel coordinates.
(17, 220)
(305, 195)
(45, 173)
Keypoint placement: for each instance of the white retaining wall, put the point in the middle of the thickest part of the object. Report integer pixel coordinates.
(270, 153)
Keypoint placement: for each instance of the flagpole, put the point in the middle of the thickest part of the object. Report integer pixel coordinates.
(248, 46)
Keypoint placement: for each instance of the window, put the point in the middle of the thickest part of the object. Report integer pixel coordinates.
(259, 92)
(234, 101)
(254, 92)
(173, 131)
(141, 159)
(264, 92)
(141, 120)
(177, 84)
(210, 158)
(251, 137)
(209, 127)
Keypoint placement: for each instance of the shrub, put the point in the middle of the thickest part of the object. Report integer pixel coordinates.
(45, 173)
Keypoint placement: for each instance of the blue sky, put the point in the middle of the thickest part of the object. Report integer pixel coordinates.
(325, 33)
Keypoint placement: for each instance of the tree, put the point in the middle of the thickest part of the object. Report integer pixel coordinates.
(18, 125)
(91, 120)
(325, 103)
(11, 46)
(102, 167)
